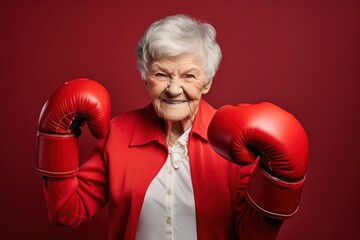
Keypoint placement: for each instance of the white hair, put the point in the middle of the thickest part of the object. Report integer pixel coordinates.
(176, 35)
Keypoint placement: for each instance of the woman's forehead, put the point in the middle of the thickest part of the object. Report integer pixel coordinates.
(183, 62)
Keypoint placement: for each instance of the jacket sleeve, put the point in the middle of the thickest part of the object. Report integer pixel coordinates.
(251, 223)
(72, 201)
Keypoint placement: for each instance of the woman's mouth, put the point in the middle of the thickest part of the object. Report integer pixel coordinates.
(174, 102)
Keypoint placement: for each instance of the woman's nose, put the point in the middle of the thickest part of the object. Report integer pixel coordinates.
(174, 88)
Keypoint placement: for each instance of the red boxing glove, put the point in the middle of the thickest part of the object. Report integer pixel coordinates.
(60, 120)
(246, 132)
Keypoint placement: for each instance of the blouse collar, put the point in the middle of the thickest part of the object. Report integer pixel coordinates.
(148, 127)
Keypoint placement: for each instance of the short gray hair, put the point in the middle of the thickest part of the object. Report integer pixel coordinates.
(176, 35)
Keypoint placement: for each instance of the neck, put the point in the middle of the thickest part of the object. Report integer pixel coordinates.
(173, 130)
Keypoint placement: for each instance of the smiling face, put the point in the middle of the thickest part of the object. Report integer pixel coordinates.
(176, 85)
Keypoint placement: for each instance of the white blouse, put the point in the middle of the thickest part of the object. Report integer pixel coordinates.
(168, 211)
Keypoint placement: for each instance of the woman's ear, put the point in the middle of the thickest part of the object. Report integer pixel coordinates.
(207, 87)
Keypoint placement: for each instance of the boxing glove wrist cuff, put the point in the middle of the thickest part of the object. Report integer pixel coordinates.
(272, 196)
(57, 155)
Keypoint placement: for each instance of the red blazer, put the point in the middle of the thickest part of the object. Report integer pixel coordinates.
(119, 169)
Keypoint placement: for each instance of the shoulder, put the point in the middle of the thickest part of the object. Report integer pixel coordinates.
(206, 111)
(202, 119)
(127, 120)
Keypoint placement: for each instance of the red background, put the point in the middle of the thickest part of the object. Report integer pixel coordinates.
(301, 55)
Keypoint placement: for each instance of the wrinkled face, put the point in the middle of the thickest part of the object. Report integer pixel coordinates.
(176, 85)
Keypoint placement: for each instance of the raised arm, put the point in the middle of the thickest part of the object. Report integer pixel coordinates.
(73, 194)
(267, 133)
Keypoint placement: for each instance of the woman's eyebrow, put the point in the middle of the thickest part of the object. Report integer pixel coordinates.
(186, 70)
(157, 66)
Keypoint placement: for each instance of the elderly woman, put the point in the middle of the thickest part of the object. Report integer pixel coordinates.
(155, 167)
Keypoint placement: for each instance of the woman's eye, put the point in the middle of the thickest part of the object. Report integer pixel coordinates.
(161, 75)
(189, 76)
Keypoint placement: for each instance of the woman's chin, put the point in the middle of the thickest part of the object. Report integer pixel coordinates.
(175, 117)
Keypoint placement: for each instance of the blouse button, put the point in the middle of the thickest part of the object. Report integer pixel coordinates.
(168, 220)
